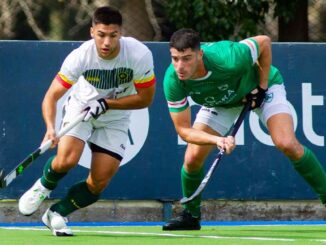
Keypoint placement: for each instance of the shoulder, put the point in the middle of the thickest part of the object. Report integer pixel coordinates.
(83, 50)
(170, 78)
(220, 48)
(217, 45)
(134, 46)
(170, 73)
(227, 54)
(136, 53)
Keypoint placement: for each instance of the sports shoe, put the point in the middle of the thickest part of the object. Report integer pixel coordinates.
(185, 221)
(33, 198)
(56, 223)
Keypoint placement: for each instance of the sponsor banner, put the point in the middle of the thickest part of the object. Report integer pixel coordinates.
(256, 170)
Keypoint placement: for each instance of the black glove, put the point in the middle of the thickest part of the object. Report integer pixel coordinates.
(256, 97)
(95, 108)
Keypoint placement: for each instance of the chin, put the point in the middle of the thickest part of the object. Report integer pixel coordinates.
(183, 78)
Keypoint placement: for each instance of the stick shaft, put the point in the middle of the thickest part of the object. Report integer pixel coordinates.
(18, 170)
(219, 157)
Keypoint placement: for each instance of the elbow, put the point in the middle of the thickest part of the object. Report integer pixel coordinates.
(265, 42)
(146, 102)
(183, 135)
(149, 101)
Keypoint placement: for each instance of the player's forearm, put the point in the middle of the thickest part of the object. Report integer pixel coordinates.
(142, 99)
(49, 112)
(197, 137)
(128, 103)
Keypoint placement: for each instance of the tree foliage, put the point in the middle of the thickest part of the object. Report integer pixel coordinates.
(228, 19)
(218, 19)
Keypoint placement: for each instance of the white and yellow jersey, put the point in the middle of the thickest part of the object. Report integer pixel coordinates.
(92, 77)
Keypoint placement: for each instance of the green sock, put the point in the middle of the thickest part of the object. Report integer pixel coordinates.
(78, 197)
(50, 178)
(190, 182)
(313, 172)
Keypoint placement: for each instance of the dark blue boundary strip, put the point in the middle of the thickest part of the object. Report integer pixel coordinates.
(204, 223)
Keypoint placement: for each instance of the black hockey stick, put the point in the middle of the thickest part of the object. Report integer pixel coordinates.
(19, 169)
(217, 160)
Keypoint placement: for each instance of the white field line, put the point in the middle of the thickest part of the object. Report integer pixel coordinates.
(165, 234)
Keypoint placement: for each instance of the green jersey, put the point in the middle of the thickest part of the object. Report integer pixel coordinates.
(232, 74)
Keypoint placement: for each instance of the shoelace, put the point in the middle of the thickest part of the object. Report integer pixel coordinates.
(39, 194)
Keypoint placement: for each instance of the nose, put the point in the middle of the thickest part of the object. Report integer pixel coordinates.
(107, 41)
(179, 65)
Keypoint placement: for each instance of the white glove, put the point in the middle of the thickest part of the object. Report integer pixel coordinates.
(95, 108)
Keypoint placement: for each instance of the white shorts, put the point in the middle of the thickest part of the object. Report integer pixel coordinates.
(221, 119)
(110, 135)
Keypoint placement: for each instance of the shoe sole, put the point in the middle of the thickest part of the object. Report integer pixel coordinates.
(181, 229)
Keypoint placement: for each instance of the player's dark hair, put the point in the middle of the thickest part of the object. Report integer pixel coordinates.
(107, 15)
(185, 38)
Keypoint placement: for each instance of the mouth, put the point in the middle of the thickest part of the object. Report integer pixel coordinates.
(105, 50)
(181, 74)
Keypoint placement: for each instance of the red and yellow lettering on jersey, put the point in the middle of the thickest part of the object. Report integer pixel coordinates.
(64, 81)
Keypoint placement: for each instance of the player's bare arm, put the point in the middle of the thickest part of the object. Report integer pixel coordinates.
(264, 59)
(264, 62)
(182, 124)
(49, 104)
(143, 98)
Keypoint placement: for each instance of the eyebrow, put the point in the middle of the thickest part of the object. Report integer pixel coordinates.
(110, 33)
(182, 56)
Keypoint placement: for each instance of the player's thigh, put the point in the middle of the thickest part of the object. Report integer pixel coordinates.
(103, 167)
(71, 145)
(196, 154)
(69, 152)
(276, 115)
(281, 130)
(108, 147)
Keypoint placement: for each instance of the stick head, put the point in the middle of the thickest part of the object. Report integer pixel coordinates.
(185, 200)
(2, 179)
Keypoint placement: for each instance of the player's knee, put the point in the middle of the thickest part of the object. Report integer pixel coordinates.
(290, 147)
(193, 162)
(63, 164)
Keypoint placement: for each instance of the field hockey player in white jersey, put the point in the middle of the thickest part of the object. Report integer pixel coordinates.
(107, 77)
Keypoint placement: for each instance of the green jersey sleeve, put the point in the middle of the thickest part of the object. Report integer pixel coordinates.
(174, 92)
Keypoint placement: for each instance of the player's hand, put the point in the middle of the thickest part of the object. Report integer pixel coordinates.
(226, 143)
(256, 97)
(95, 108)
(51, 135)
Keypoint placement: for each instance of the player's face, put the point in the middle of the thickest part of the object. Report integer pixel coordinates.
(106, 39)
(186, 63)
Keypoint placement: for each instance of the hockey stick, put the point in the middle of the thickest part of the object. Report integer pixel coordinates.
(18, 170)
(217, 160)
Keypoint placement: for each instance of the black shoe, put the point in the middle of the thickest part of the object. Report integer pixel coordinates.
(185, 221)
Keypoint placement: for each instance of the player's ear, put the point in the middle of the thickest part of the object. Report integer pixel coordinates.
(200, 53)
(91, 32)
